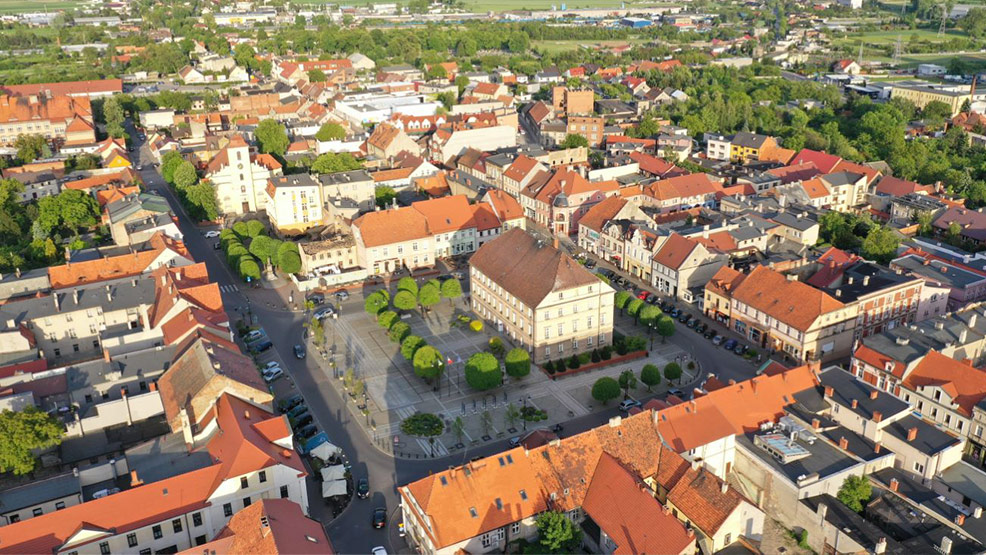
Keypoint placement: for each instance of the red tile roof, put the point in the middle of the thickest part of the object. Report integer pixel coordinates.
(797, 172)
(506, 207)
(602, 212)
(796, 304)
(962, 382)
(674, 251)
(823, 161)
(391, 226)
(96, 86)
(114, 267)
(879, 360)
(897, 187)
(271, 527)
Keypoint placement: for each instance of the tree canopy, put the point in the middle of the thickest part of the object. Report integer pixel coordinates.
(557, 533)
(428, 362)
(272, 137)
(21, 433)
(605, 389)
(650, 374)
(483, 371)
(517, 362)
(855, 492)
(423, 424)
(330, 132)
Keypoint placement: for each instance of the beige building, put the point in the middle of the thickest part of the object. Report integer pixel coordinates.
(294, 202)
(921, 94)
(539, 297)
(681, 266)
(240, 178)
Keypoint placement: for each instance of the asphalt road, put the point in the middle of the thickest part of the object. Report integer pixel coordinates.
(351, 532)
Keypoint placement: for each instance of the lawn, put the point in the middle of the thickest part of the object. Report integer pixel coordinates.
(889, 37)
(976, 60)
(14, 6)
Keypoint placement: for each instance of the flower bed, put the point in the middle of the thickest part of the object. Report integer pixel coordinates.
(616, 359)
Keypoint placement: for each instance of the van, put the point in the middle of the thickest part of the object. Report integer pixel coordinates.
(261, 347)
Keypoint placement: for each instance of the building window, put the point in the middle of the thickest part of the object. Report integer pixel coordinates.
(60, 505)
(104, 548)
(14, 518)
(514, 529)
(157, 532)
(246, 501)
(284, 492)
(131, 540)
(176, 525)
(38, 511)
(244, 483)
(263, 476)
(918, 467)
(227, 509)
(196, 519)
(199, 540)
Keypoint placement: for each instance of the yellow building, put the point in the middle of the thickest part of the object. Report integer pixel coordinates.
(922, 95)
(748, 146)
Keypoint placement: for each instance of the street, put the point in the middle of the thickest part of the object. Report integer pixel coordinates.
(351, 531)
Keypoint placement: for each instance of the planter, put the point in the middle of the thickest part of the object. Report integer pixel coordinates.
(616, 359)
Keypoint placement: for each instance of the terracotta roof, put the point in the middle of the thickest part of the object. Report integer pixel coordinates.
(897, 187)
(520, 167)
(66, 88)
(872, 174)
(483, 217)
(114, 194)
(699, 494)
(247, 439)
(796, 172)
(269, 526)
(114, 267)
(794, 303)
(683, 186)
(721, 241)
(126, 175)
(724, 281)
(880, 361)
(538, 112)
(823, 161)
(627, 511)
(652, 164)
(833, 263)
(506, 207)
(815, 188)
(445, 214)
(734, 409)
(383, 134)
(390, 175)
(433, 185)
(597, 216)
(674, 251)
(528, 269)
(391, 226)
(964, 383)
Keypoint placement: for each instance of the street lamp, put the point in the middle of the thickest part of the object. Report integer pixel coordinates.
(650, 326)
(522, 412)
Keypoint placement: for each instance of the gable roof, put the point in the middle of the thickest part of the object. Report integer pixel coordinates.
(823, 161)
(528, 269)
(269, 526)
(602, 212)
(794, 303)
(897, 187)
(391, 226)
(114, 267)
(795, 172)
(506, 206)
(674, 251)
(964, 383)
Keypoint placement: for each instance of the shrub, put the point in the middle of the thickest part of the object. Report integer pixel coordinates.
(387, 318)
(606, 352)
(518, 362)
(605, 389)
(399, 331)
(496, 347)
(476, 326)
(410, 345)
(635, 343)
(483, 371)
(423, 424)
(573, 362)
(428, 362)
(595, 357)
(241, 229)
(255, 228)
(560, 365)
(620, 346)
(249, 269)
(634, 306)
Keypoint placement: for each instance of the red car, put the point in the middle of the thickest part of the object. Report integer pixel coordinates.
(643, 295)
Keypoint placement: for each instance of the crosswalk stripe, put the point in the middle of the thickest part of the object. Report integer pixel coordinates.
(228, 288)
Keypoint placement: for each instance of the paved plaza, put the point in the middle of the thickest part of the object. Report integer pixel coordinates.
(394, 392)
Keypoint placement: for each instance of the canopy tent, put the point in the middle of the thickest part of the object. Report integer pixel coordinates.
(324, 450)
(335, 487)
(334, 472)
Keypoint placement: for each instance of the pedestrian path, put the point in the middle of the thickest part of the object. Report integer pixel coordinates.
(229, 288)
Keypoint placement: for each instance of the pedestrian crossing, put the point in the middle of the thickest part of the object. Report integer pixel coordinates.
(229, 288)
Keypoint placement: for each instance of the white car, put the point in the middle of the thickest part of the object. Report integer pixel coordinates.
(271, 365)
(271, 375)
(211, 234)
(379, 550)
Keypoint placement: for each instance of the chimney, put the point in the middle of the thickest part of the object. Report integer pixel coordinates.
(912, 434)
(873, 394)
(54, 297)
(667, 509)
(554, 243)
(843, 443)
(106, 355)
(815, 424)
(153, 386)
(960, 519)
(866, 280)
(695, 465)
(894, 484)
(880, 547)
(829, 391)
(855, 403)
(134, 480)
(877, 416)
(946, 545)
(822, 510)
(691, 532)
(877, 447)
(724, 487)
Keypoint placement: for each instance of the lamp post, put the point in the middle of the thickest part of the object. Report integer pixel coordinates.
(522, 412)
(650, 327)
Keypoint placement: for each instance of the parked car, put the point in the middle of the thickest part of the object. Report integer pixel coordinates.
(643, 295)
(677, 393)
(628, 404)
(740, 349)
(342, 295)
(718, 339)
(701, 327)
(305, 433)
(254, 335)
(675, 312)
(458, 275)
(444, 277)
(216, 246)
(285, 405)
(729, 344)
(514, 441)
(362, 488)
(557, 428)
(316, 298)
(378, 550)
(710, 334)
(684, 317)
(379, 517)
(304, 420)
(270, 366)
(273, 374)
(261, 347)
(211, 234)
(323, 313)
(590, 264)
(299, 351)
(654, 300)
(297, 410)
(693, 323)
(666, 307)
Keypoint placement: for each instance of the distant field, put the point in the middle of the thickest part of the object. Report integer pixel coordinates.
(976, 60)
(498, 5)
(556, 46)
(890, 37)
(12, 6)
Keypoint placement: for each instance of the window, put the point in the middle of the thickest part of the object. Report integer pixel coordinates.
(157, 532)
(14, 518)
(244, 483)
(60, 505)
(196, 519)
(227, 509)
(284, 492)
(38, 511)
(147, 551)
(514, 529)
(246, 501)
(131, 540)
(263, 476)
(176, 525)
(918, 467)
(199, 540)
(104, 548)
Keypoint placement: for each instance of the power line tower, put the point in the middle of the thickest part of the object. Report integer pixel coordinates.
(859, 58)
(944, 17)
(898, 46)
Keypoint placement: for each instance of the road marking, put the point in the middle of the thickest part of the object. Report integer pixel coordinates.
(228, 288)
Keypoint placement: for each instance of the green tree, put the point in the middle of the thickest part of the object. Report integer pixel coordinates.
(185, 175)
(405, 300)
(429, 295)
(263, 247)
(436, 71)
(423, 424)
(30, 147)
(517, 362)
(398, 332)
(620, 299)
(255, 228)
(387, 318)
(202, 199)
(248, 268)
(410, 345)
(316, 76)
(289, 259)
(333, 162)
(605, 389)
(272, 137)
(384, 196)
(650, 374)
(375, 303)
(672, 371)
(21, 433)
(855, 491)
(408, 284)
(627, 382)
(936, 112)
(483, 371)
(330, 132)
(634, 306)
(451, 289)
(649, 314)
(574, 141)
(428, 363)
(880, 245)
(665, 327)
(169, 163)
(557, 533)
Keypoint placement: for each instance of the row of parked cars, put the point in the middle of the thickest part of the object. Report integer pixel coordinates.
(697, 325)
